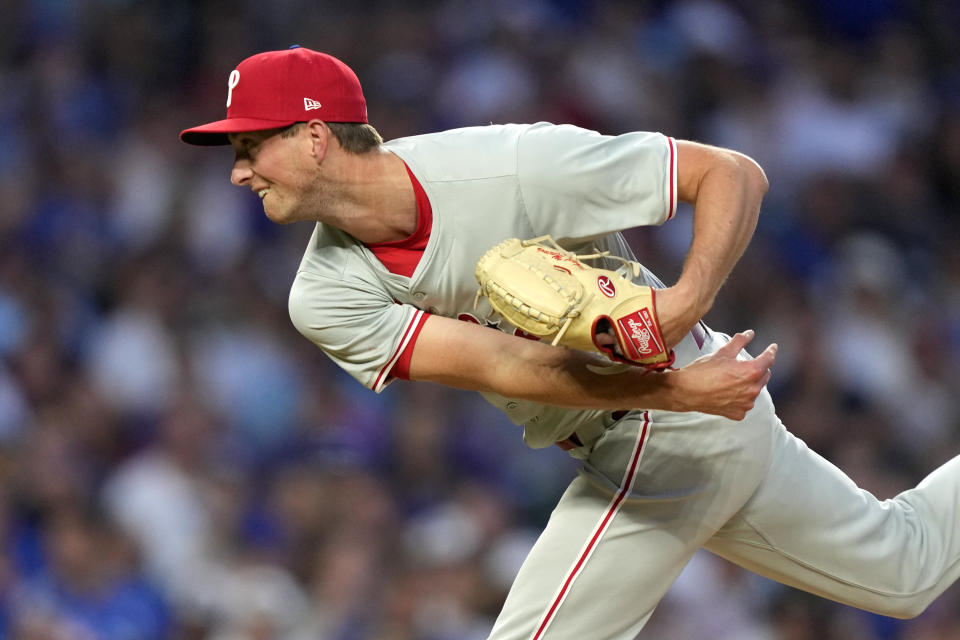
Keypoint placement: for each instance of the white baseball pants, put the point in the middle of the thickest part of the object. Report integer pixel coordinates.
(657, 486)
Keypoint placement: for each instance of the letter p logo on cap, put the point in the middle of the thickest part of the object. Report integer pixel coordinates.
(232, 82)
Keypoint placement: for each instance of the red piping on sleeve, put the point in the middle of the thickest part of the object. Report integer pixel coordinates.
(402, 367)
(412, 329)
(672, 180)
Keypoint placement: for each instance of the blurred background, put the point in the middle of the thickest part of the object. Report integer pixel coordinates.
(177, 462)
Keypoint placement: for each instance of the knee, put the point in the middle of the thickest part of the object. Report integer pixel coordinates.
(905, 608)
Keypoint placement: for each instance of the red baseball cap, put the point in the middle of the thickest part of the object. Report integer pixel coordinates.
(278, 88)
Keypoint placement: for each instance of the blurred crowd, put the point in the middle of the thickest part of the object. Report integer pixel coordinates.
(176, 462)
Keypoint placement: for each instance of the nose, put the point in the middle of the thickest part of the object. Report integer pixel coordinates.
(241, 173)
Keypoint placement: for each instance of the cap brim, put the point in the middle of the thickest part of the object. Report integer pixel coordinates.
(215, 133)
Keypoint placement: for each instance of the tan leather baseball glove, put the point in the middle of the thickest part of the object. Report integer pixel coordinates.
(551, 293)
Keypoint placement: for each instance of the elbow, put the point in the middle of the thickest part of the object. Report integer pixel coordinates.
(729, 170)
(754, 176)
(759, 179)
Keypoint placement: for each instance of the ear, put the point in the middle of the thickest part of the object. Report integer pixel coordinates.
(319, 134)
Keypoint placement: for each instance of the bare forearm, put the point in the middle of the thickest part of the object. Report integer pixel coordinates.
(726, 189)
(569, 378)
(468, 356)
(725, 216)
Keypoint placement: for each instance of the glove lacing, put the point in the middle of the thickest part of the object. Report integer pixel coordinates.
(628, 270)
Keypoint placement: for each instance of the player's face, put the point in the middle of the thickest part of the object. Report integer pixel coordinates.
(277, 169)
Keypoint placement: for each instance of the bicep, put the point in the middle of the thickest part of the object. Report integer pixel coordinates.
(459, 354)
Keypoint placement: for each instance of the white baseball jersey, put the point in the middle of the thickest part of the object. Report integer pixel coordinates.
(485, 184)
(655, 485)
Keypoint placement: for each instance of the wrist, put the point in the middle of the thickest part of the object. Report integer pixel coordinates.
(676, 314)
(671, 394)
(698, 300)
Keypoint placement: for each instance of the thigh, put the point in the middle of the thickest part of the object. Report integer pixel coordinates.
(650, 495)
(811, 527)
(592, 574)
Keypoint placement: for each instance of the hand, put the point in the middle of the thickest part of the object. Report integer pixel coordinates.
(721, 384)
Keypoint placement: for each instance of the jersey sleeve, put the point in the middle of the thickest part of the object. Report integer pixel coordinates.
(577, 183)
(401, 367)
(359, 327)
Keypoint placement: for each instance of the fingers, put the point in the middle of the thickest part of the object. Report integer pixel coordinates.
(765, 379)
(762, 364)
(737, 342)
(769, 355)
(757, 374)
(605, 338)
(740, 381)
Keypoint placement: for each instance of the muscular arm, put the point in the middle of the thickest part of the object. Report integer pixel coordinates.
(726, 189)
(468, 356)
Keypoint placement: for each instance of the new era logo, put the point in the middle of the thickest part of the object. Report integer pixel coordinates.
(309, 104)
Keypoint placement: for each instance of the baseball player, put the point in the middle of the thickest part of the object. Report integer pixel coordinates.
(673, 460)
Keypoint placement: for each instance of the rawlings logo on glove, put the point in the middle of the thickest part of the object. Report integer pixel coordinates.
(552, 294)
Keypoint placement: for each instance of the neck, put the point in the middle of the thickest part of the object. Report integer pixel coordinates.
(371, 197)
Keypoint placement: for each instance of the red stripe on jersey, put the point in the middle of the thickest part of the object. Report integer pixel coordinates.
(408, 333)
(672, 170)
(403, 256)
(611, 511)
(402, 368)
